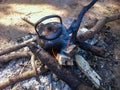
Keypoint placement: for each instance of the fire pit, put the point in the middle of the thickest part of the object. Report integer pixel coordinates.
(73, 57)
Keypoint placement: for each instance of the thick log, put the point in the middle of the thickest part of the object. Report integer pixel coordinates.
(53, 65)
(17, 47)
(19, 78)
(99, 25)
(13, 56)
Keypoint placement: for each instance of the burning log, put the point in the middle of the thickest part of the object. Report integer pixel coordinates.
(19, 78)
(99, 25)
(53, 65)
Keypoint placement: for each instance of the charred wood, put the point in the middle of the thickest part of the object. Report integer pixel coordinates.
(93, 49)
(76, 23)
(53, 65)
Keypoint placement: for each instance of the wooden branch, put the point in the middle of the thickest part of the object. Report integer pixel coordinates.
(17, 47)
(26, 20)
(84, 66)
(90, 33)
(34, 67)
(112, 18)
(53, 65)
(19, 78)
(13, 56)
(93, 49)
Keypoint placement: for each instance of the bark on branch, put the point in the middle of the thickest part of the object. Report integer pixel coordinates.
(17, 47)
(19, 78)
(7, 58)
(98, 27)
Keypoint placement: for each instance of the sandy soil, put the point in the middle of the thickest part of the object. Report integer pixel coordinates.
(13, 27)
(11, 12)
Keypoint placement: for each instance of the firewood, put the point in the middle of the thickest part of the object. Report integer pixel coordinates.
(19, 78)
(64, 60)
(88, 71)
(17, 47)
(34, 67)
(99, 25)
(26, 20)
(14, 56)
(53, 65)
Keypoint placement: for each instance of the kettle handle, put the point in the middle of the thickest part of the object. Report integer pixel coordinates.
(44, 18)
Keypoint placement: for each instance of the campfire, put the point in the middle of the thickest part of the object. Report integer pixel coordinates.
(64, 51)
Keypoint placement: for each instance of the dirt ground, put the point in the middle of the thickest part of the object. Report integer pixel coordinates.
(13, 27)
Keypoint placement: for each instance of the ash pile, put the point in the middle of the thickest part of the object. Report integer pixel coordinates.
(57, 58)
